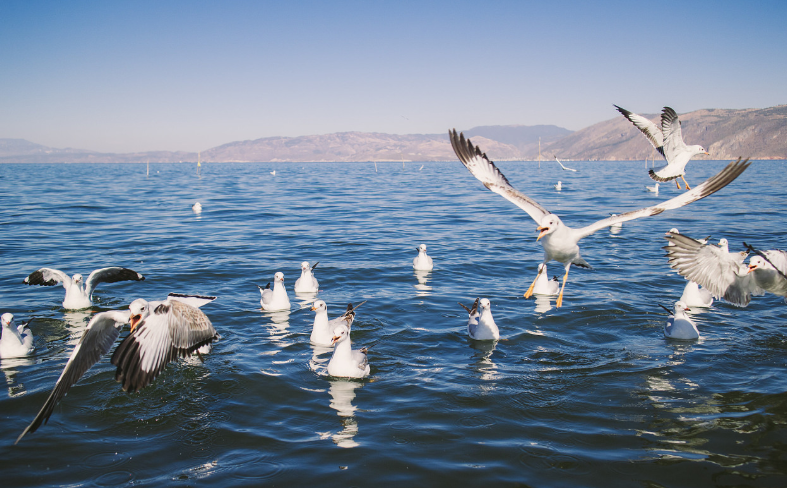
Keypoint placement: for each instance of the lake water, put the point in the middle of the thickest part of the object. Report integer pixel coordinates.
(590, 394)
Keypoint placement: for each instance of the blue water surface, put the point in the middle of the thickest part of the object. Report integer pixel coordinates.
(590, 394)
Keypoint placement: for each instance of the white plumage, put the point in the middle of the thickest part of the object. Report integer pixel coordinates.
(275, 299)
(485, 329)
(15, 341)
(422, 262)
(307, 283)
(680, 325)
(322, 330)
(346, 362)
(77, 295)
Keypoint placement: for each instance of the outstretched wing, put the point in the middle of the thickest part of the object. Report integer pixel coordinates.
(193, 300)
(708, 187)
(673, 138)
(487, 173)
(101, 333)
(173, 329)
(717, 270)
(110, 275)
(561, 165)
(48, 277)
(648, 128)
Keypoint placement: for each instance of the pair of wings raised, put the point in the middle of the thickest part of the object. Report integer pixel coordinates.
(176, 327)
(719, 271)
(51, 277)
(485, 171)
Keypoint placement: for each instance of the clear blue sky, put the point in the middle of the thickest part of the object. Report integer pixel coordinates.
(123, 76)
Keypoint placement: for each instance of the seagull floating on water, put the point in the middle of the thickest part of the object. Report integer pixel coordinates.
(668, 141)
(545, 286)
(560, 242)
(197, 208)
(680, 325)
(15, 341)
(653, 189)
(559, 186)
(276, 299)
(78, 297)
(485, 329)
(422, 262)
(161, 332)
(723, 273)
(307, 283)
(346, 362)
(561, 165)
(322, 330)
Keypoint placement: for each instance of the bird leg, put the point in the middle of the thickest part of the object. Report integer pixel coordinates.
(677, 183)
(532, 285)
(685, 182)
(560, 297)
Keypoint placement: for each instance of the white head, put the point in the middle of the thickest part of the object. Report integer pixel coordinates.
(724, 245)
(697, 149)
(319, 306)
(680, 307)
(77, 278)
(139, 311)
(549, 224)
(305, 265)
(279, 276)
(6, 319)
(672, 231)
(757, 262)
(340, 334)
(559, 182)
(422, 248)
(485, 304)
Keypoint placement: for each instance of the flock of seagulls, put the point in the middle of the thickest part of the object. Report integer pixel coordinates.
(163, 331)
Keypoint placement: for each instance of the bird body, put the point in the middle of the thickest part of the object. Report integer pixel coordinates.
(422, 262)
(668, 141)
(161, 331)
(197, 208)
(322, 330)
(15, 341)
(79, 296)
(680, 325)
(653, 189)
(560, 242)
(485, 329)
(694, 296)
(545, 286)
(559, 186)
(347, 362)
(307, 283)
(276, 299)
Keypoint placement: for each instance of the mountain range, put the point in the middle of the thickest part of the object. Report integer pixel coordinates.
(725, 133)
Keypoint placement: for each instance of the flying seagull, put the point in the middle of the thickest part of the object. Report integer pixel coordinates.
(561, 165)
(77, 296)
(160, 332)
(560, 242)
(668, 141)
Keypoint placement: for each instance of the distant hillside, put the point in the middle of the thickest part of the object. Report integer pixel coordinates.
(726, 134)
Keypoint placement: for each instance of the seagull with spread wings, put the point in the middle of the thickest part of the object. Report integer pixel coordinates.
(161, 332)
(561, 242)
(668, 141)
(78, 296)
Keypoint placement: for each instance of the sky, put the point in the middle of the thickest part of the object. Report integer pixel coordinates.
(128, 76)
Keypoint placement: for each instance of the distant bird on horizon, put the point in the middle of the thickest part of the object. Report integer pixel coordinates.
(197, 208)
(77, 296)
(559, 186)
(668, 141)
(560, 242)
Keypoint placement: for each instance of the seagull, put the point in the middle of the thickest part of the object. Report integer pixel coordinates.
(545, 286)
(653, 189)
(346, 362)
(78, 297)
(15, 341)
(307, 283)
(615, 228)
(276, 299)
(273, 172)
(422, 262)
(561, 165)
(322, 330)
(668, 141)
(723, 273)
(680, 325)
(161, 332)
(197, 208)
(560, 242)
(485, 329)
(559, 186)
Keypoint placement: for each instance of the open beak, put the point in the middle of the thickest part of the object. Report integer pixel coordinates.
(134, 321)
(314, 309)
(543, 232)
(752, 267)
(333, 340)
